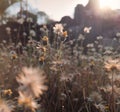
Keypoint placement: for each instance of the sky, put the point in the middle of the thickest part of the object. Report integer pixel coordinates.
(59, 8)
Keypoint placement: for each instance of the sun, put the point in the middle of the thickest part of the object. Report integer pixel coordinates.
(113, 4)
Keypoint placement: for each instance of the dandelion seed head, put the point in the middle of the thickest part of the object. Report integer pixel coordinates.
(27, 101)
(6, 106)
(58, 29)
(96, 97)
(87, 29)
(112, 64)
(32, 80)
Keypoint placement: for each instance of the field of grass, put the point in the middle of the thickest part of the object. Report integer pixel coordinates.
(62, 76)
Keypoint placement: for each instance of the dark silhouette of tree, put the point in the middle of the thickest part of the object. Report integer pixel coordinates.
(26, 14)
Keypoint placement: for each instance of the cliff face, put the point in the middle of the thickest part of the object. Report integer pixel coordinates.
(104, 23)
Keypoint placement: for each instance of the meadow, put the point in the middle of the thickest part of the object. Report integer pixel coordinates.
(64, 75)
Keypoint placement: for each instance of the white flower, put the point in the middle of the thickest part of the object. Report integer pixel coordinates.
(32, 81)
(58, 29)
(32, 33)
(81, 37)
(15, 30)
(8, 30)
(24, 34)
(20, 21)
(101, 107)
(87, 29)
(118, 34)
(27, 101)
(29, 19)
(99, 38)
(96, 97)
(6, 106)
(112, 64)
(100, 46)
(91, 45)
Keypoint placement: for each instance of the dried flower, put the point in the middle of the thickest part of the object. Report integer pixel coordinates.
(91, 45)
(13, 55)
(20, 21)
(32, 33)
(81, 37)
(7, 92)
(58, 29)
(96, 97)
(27, 101)
(99, 38)
(6, 106)
(112, 65)
(8, 30)
(29, 19)
(87, 29)
(65, 34)
(42, 59)
(32, 81)
(118, 34)
(45, 38)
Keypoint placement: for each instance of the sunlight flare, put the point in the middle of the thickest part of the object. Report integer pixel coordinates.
(108, 4)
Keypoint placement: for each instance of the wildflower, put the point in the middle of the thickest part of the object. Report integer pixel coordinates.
(58, 29)
(63, 96)
(7, 92)
(118, 34)
(96, 42)
(101, 107)
(27, 101)
(112, 65)
(45, 38)
(29, 19)
(91, 45)
(4, 41)
(106, 107)
(20, 21)
(32, 81)
(81, 37)
(87, 29)
(19, 45)
(92, 63)
(115, 39)
(8, 30)
(96, 97)
(15, 29)
(24, 34)
(108, 52)
(100, 46)
(42, 59)
(99, 38)
(13, 55)
(6, 106)
(66, 77)
(43, 49)
(65, 34)
(31, 41)
(109, 89)
(32, 33)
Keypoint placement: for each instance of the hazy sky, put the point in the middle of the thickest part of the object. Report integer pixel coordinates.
(59, 8)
